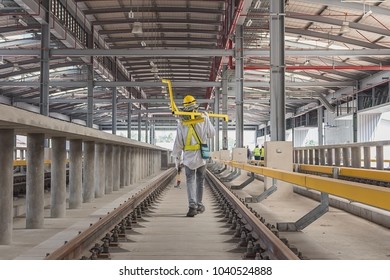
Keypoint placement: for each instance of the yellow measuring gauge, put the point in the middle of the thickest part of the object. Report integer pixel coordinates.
(194, 117)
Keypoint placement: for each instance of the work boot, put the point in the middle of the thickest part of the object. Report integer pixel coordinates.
(192, 212)
(201, 209)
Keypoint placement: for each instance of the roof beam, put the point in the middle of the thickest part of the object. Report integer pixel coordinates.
(199, 84)
(349, 6)
(191, 53)
(182, 10)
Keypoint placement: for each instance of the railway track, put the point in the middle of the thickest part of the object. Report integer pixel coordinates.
(152, 225)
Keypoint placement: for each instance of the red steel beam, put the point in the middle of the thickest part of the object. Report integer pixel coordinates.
(324, 67)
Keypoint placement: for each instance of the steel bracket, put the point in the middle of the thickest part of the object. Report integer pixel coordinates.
(309, 218)
(245, 183)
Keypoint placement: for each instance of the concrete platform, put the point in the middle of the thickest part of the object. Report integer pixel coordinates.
(337, 235)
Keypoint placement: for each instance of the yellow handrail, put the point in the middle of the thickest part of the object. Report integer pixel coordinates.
(364, 193)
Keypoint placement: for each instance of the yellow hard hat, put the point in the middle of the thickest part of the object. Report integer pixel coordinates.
(189, 100)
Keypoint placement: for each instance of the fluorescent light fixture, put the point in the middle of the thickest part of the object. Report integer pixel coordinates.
(131, 14)
(257, 5)
(22, 22)
(249, 22)
(345, 28)
(137, 28)
(143, 43)
(367, 14)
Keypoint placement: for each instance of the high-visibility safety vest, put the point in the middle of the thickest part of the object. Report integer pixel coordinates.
(256, 152)
(188, 146)
(262, 152)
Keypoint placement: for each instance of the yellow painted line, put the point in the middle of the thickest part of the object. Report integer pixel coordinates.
(379, 175)
(316, 168)
(366, 194)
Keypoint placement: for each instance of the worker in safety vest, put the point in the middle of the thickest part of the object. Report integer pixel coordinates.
(189, 139)
(262, 151)
(256, 152)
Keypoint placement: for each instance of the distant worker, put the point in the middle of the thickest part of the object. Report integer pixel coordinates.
(248, 153)
(256, 152)
(262, 151)
(189, 139)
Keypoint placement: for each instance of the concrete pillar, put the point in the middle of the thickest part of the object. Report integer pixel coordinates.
(296, 156)
(346, 156)
(89, 171)
(278, 155)
(100, 174)
(329, 157)
(316, 156)
(305, 156)
(356, 157)
(128, 165)
(6, 185)
(116, 168)
(133, 159)
(311, 156)
(379, 158)
(109, 186)
(322, 156)
(367, 157)
(136, 159)
(300, 157)
(75, 174)
(123, 151)
(337, 156)
(58, 178)
(35, 202)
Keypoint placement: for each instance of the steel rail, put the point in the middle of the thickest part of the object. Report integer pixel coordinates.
(74, 248)
(274, 246)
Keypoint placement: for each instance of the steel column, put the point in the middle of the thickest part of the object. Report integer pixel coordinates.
(45, 68)
(224, 107)
(216, 110)
(239, 73)
(114, 110)
(277, 79)
(129, 120)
